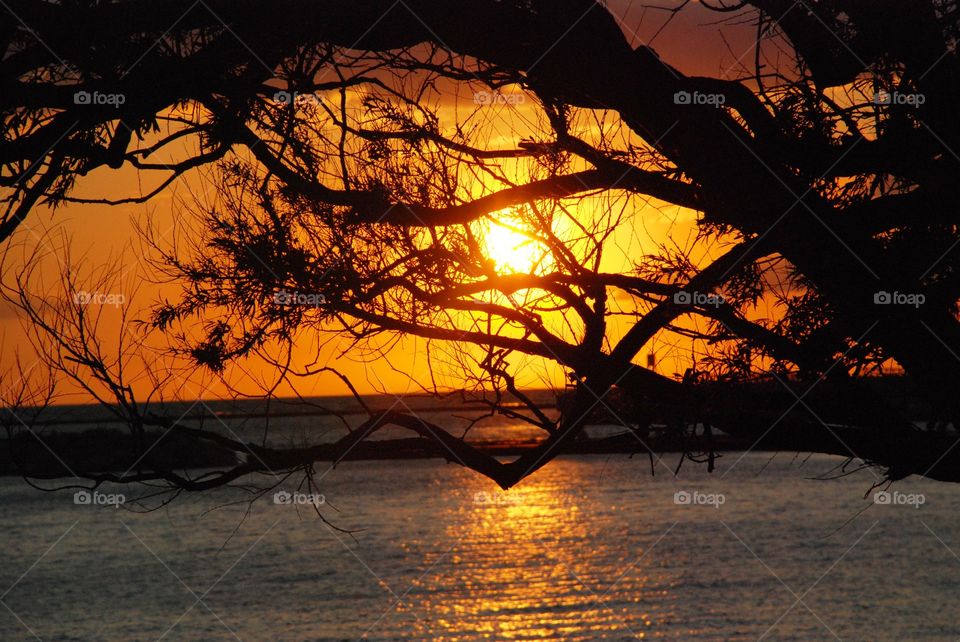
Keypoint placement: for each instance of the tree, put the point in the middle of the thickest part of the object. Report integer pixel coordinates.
(823, 178)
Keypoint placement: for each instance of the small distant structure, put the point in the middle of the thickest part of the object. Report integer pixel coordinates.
(652, 361)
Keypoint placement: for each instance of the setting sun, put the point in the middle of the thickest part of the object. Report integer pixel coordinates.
(510, 248)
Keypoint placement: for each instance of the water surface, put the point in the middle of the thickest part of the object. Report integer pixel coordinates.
(590, 547)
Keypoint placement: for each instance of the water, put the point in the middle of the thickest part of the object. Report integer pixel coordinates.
(591, 547)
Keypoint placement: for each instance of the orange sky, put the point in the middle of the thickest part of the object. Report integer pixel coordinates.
(107, 234)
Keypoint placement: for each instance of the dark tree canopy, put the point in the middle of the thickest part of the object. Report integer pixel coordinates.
(824, 177)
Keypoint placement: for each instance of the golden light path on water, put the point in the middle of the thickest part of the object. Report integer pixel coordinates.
(520, 570)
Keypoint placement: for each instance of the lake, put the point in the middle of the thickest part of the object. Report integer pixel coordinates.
(588, 548)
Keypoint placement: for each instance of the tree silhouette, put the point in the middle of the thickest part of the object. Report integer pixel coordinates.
(824, 177)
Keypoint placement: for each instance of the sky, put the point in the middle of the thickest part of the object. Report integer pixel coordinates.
(107, 236)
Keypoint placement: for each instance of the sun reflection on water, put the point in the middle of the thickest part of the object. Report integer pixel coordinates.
(522, 569)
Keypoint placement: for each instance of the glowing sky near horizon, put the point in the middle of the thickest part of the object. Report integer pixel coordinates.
(103, 234)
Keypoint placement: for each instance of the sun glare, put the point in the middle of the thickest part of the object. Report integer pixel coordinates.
(509, 248)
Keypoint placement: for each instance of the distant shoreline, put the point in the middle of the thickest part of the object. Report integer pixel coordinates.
(241, 409)
(89, 438)
(108, 451)
(272, 414)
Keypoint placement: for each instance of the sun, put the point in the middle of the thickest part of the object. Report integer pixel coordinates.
(511, 250)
